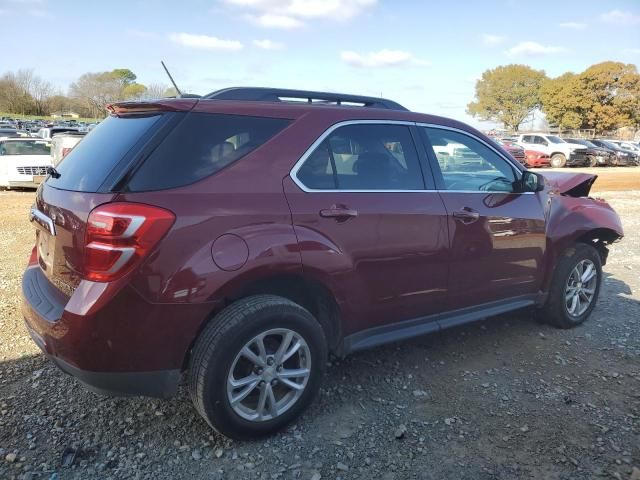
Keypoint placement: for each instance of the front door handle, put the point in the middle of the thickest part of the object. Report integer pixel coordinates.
(466, 215)
(339, 213)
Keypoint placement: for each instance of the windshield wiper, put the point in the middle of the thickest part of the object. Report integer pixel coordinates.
(52, 172)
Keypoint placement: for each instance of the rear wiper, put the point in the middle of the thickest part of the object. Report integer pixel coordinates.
(52, 172)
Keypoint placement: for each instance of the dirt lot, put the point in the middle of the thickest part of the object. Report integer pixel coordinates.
(609, 179)
(502, 399)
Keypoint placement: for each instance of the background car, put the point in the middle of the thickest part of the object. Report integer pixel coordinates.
(24, 162)
(514, 149)
(622, 156)
(63, 143)
(598, 156)
(628, 146)
(48, 132)
(534, 158)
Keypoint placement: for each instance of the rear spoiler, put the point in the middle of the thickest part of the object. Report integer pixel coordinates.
(168, 105)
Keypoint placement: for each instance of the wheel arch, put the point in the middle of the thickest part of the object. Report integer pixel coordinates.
(306, 291)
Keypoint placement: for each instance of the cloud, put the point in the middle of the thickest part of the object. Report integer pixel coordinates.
(381, 58)
(290, 14)
(533, 49)
(205, 42)
(618, 17)
(573, 25)
(269, 20)
(491, 40)
(268, 45)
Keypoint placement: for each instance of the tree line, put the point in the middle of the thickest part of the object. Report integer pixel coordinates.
(24, 93)
(604, 97)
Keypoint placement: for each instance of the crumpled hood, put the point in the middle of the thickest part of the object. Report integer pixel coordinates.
(571, 184)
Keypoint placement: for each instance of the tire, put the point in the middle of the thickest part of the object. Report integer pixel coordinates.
(556, 310)
(558, 160)
(216, 355)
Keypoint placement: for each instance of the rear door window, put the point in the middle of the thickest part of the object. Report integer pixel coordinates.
(201, 145)
(364, 157)
(86, 167)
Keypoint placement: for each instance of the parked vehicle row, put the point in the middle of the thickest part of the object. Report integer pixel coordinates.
(543, 149)
(25, 160)
(242, 241)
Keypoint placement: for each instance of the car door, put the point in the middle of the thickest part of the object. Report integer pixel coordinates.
(366, 225)
(497, 234)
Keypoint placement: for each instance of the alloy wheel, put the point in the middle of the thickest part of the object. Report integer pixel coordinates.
(269, 375)
(581, 287)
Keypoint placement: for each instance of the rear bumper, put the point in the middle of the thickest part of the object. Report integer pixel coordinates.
(115, 343)
(159, 384)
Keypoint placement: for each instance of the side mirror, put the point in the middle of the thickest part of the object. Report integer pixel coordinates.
(531, 182)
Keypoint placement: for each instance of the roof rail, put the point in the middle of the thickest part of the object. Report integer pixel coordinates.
(259, 94)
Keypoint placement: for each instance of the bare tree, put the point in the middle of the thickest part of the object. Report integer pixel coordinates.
(41, 91)
(154, 91)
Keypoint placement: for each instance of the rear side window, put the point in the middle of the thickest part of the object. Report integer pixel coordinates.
(201, 145)
(85, 168)
(364, 157)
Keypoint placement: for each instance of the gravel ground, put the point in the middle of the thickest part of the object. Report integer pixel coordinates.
(502, 399)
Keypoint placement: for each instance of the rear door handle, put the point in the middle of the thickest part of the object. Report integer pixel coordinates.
(466, 215)
(339, 213)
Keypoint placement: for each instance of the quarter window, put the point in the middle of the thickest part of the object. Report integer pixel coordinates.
(468, 164)
(364, 157)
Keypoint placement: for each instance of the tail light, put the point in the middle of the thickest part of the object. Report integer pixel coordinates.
(65, 150)
(120, 235)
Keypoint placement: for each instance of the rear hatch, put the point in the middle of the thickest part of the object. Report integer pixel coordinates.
(84, 179)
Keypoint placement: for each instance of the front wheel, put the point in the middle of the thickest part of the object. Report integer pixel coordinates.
(257, 366)
(575, 286)
(558, 160)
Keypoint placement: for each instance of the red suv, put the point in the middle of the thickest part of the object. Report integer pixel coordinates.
(242, 237)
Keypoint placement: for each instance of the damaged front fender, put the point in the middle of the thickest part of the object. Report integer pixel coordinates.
(572, 216)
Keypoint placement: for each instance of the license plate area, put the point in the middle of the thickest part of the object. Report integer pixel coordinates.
(45, 250)
(38, 179)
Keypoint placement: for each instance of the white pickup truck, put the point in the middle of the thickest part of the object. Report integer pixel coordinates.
(563, 154)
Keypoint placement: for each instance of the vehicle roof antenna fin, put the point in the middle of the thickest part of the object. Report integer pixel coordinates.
(171, 78)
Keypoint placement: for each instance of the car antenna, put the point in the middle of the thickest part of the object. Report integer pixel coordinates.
(171, 78)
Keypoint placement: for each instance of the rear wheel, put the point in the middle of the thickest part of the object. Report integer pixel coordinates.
(574, 288)
(558, 160)
(257, 366)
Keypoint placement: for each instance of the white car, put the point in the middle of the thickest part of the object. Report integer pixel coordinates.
(562, 153)
(48, 132)
(63, 143)
(24, 162)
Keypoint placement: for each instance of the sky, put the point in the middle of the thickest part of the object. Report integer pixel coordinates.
(427, 55)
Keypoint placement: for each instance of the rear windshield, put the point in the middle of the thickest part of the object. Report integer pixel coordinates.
(86, 167)
(201, 145)
(25, 148)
